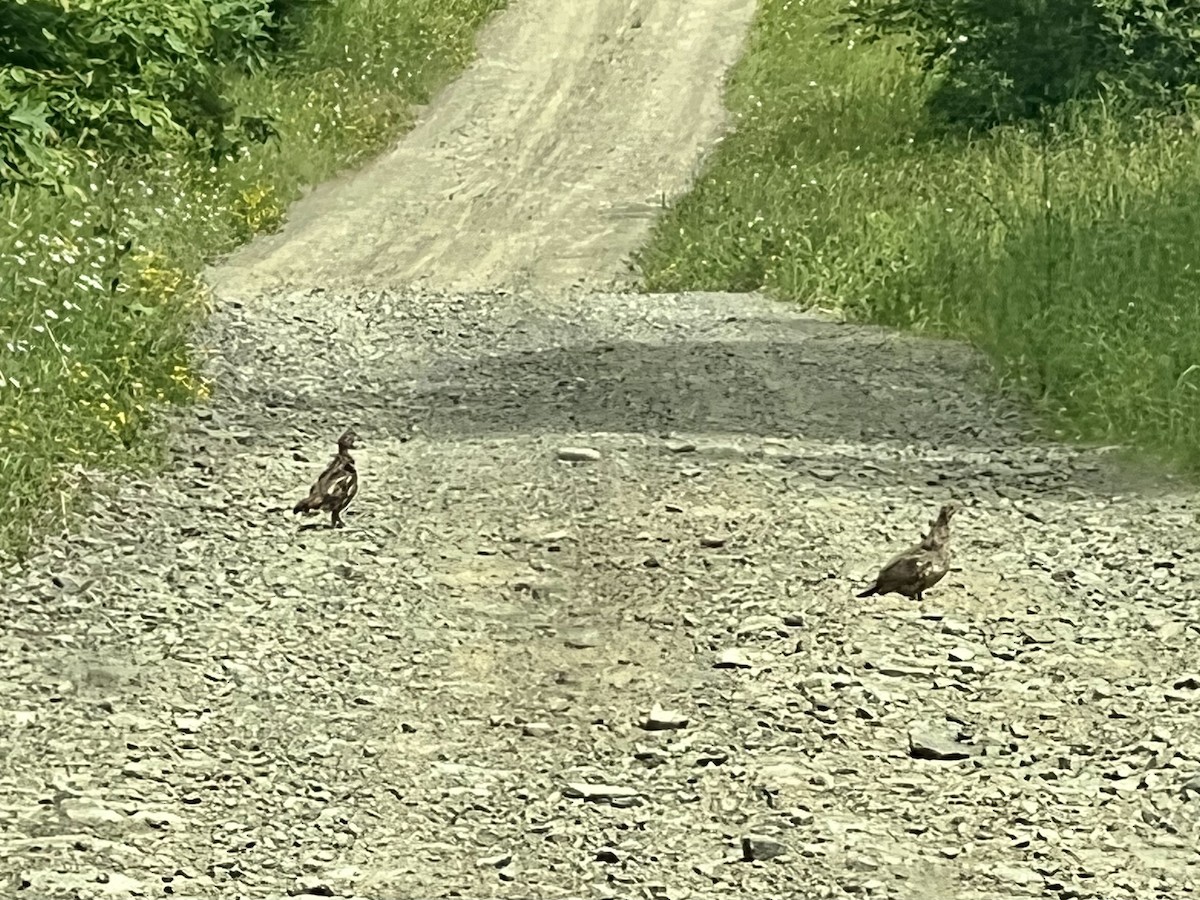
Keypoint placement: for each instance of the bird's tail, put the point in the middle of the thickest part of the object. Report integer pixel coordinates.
(873, 589)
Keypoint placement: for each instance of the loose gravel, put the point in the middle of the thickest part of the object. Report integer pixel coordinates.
(590, 630)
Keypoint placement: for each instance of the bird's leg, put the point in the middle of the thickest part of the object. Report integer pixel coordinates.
(337, 521)
(920, 596)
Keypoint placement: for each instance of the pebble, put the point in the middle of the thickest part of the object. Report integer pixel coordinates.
(664, 719)
(935, 745)
(758, 847)
(88, 812)
(499, 861)
(587, 791)
(607, 855)
(578, 454)
(1016, 875)
(733, 658)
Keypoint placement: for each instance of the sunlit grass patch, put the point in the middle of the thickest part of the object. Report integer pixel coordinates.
(1068, 254)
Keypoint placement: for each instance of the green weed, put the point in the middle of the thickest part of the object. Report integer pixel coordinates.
(1066, 253)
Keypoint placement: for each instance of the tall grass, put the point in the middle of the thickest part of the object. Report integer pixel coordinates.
(1069, 253)
(98, 296)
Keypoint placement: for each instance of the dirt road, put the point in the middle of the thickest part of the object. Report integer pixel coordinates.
(541, 167)
(450, 696)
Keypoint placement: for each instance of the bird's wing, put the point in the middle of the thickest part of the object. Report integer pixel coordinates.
(908, 568)
(339, 479)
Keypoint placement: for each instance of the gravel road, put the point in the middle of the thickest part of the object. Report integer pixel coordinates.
(635, 672)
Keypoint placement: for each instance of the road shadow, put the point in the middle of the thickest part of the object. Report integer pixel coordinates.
(819, 389)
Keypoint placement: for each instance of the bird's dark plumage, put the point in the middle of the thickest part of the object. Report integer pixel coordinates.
(336, 486)
(921, 566)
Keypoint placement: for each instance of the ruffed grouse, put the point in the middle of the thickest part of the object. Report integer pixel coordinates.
(921, 566)
(336, 486)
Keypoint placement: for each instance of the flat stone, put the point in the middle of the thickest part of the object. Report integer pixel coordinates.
(499, 861)
(664, 719)
(88, 812)
(578, 454)
(937, 746)
(758, 847)
(587, 791)
(733, 658)
(1016, 875)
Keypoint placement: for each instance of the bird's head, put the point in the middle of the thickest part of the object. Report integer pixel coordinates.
(348, 441)
(948, 510)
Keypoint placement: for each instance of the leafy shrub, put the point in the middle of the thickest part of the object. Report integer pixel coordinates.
(1004, 60)
(127, 77)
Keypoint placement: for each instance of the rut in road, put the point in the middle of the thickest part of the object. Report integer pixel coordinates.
(447, 697)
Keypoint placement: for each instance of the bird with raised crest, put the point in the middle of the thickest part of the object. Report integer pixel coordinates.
(336, 486)
(922, 565)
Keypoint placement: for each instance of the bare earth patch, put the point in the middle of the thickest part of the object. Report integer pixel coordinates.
(447, 697)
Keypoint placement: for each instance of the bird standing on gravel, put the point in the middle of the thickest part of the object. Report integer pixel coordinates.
(336, 486)
(921, 566)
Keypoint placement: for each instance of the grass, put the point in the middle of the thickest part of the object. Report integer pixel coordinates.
(1068, 255)
(100, 297)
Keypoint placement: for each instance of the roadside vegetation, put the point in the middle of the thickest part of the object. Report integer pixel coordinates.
(1023, 175)
(138, 140)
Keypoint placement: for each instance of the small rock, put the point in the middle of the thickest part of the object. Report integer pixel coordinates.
(664, 719)
(680, 446)
(733, 658)
(900, 670)
(157, 818)
(600, 791)
(712, 541)
(499, 861)
(87, 812)
(312, 886)
(1016, 875)
(578, 454)
(580, 639)
(116, 883)
(607, 855)
(962, 654)
(757, 847)
(931, 745)
(536, 729)
(1170, 630)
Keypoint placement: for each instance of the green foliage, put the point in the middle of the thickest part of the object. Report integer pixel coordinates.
(98, 286)
(999, 61)
(1065, 252)
(97, 78)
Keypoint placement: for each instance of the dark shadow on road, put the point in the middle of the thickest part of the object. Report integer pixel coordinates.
(817, 389)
